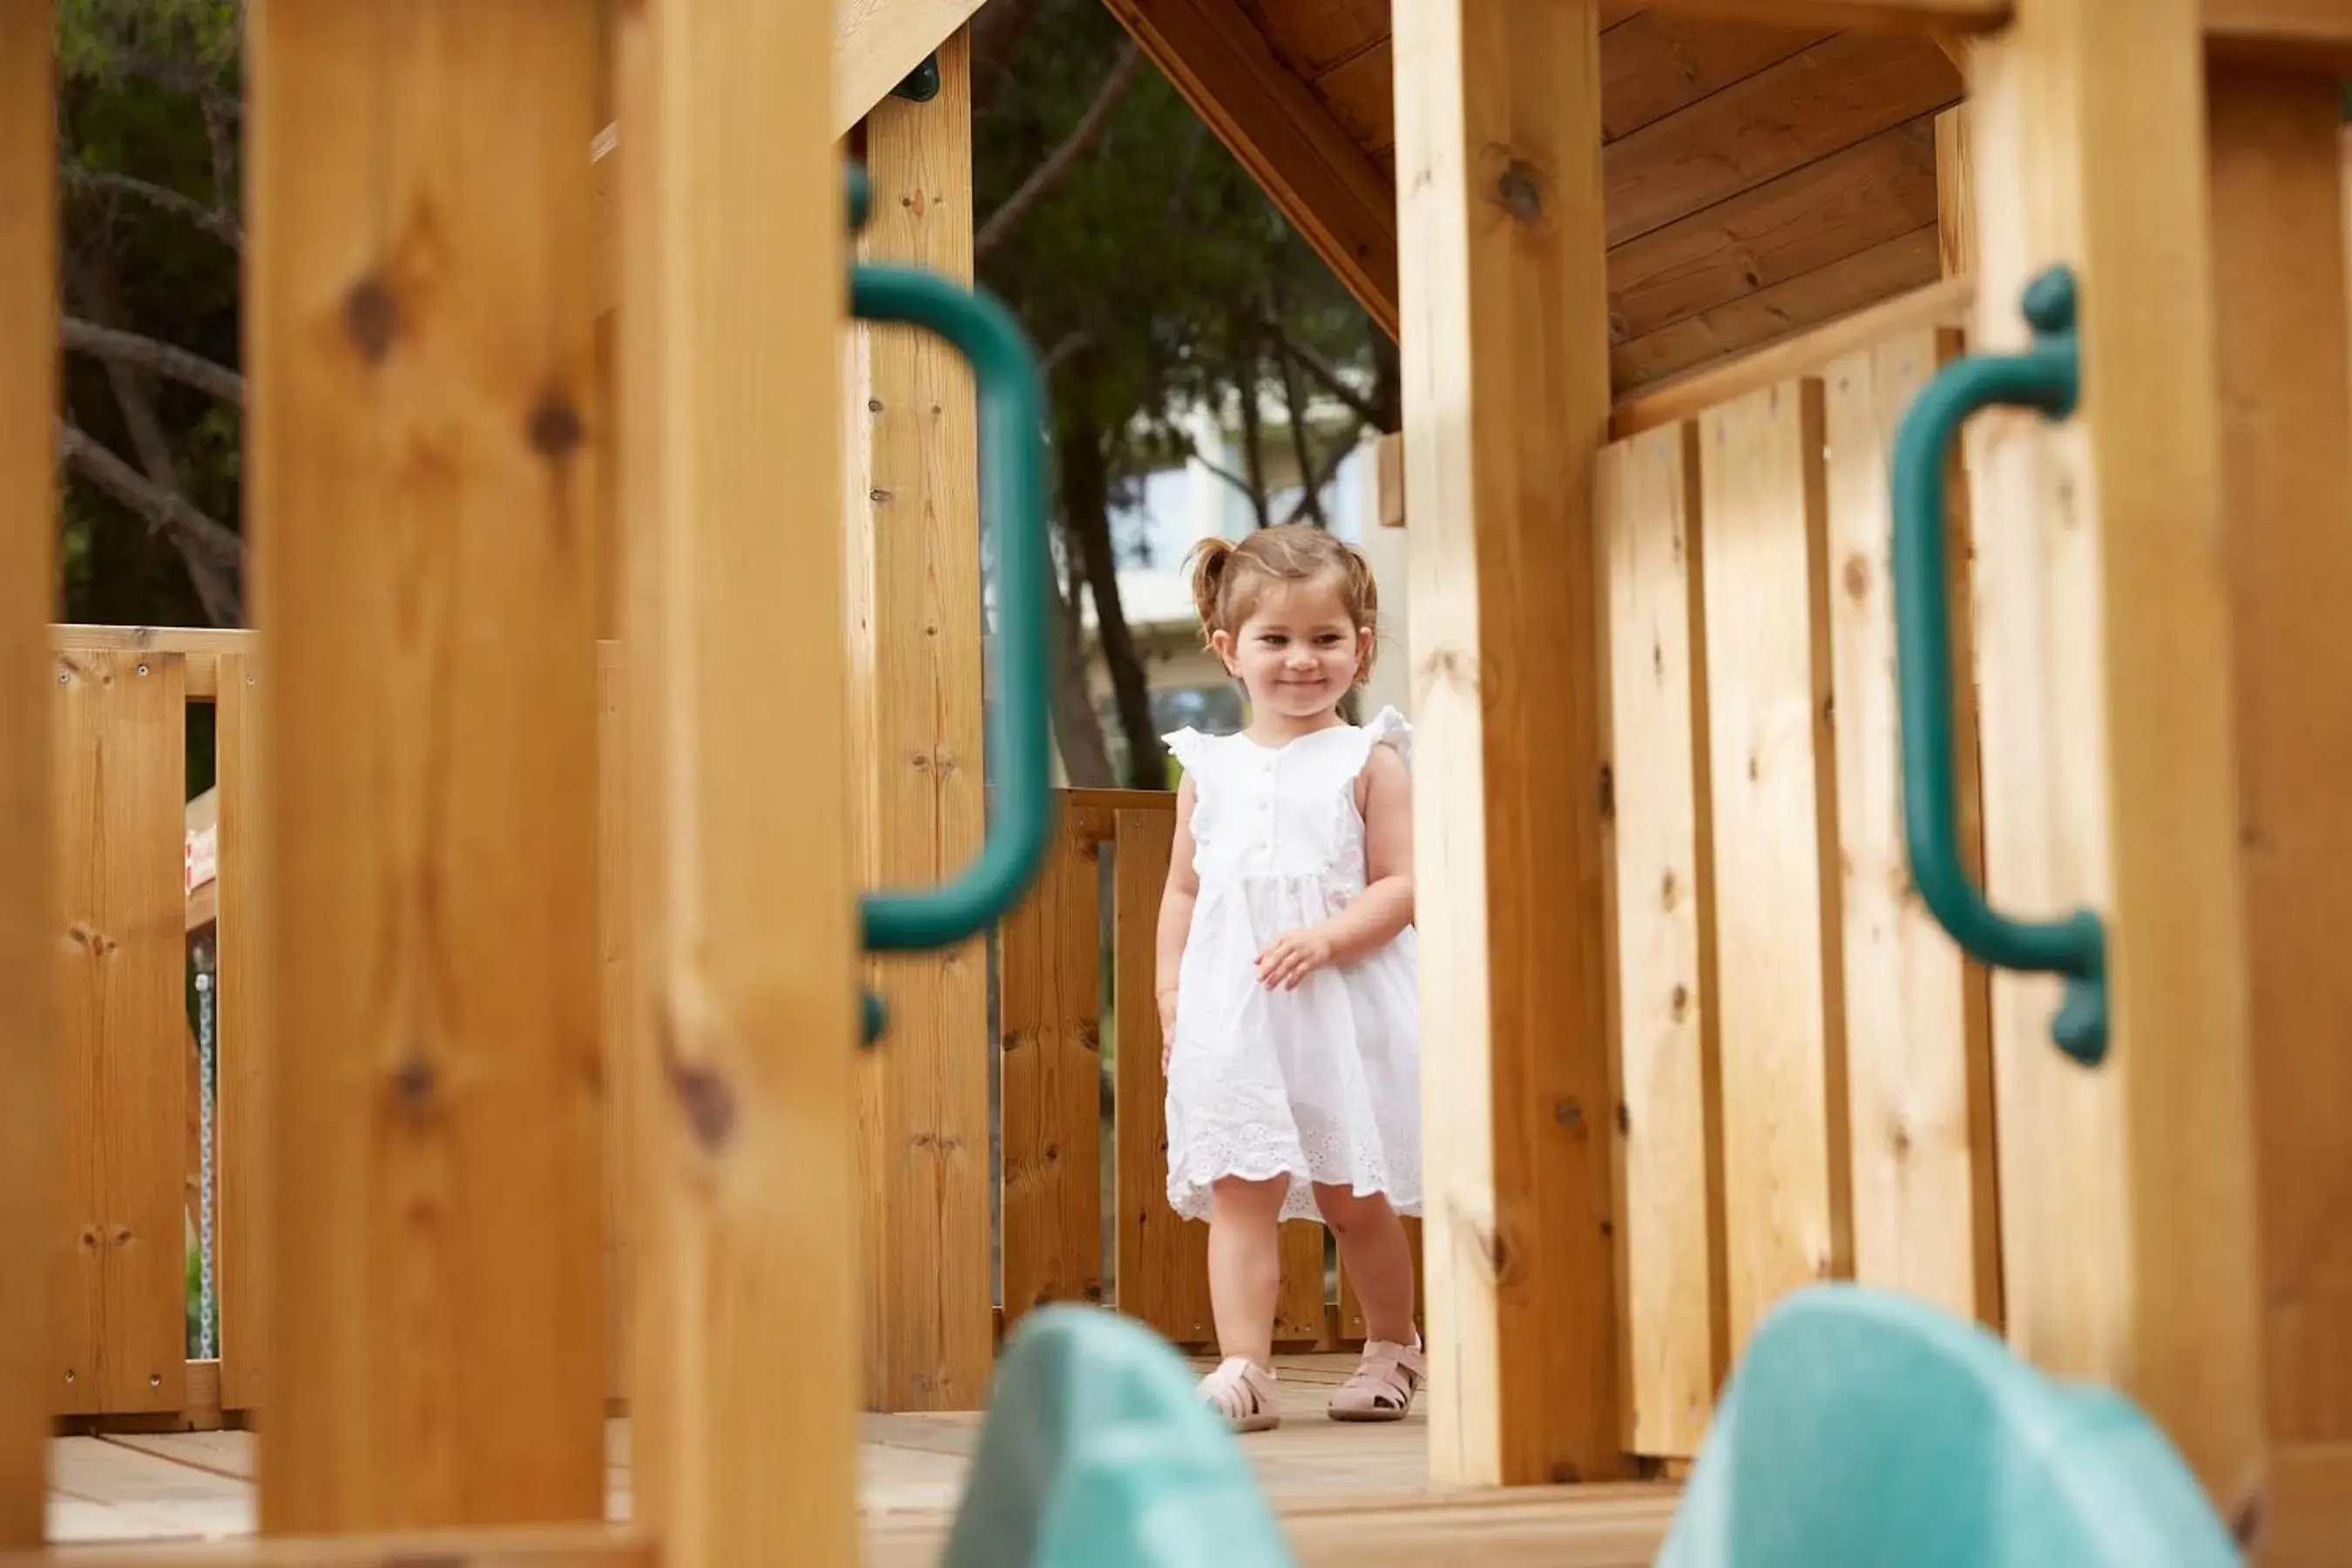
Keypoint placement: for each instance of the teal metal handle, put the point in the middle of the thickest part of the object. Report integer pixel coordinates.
(2046, 376)
(1013, 520)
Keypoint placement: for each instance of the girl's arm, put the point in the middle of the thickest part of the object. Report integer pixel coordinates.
(1176, 900)
(1385, 793)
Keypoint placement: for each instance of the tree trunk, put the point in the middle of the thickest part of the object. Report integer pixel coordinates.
(1086, 513)
(1086, 756)
(1247, 367)
(1388, 383)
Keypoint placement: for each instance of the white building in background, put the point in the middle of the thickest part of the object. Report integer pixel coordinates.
(1171, 511)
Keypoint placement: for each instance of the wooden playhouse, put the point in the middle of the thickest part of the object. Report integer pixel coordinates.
(560, 1218)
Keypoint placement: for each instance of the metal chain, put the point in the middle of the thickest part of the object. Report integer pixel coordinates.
(208, 1055)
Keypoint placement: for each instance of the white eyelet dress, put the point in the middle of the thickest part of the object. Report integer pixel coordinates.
(1322, 1083)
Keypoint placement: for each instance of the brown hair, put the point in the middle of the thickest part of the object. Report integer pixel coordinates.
(1229, 578)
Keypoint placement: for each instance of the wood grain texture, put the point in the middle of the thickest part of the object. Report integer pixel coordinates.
(1688, 396)
(926, 1172)
(1917, 1029)
(1319, 179)
(1050, 1002)
(744, 1029)
(424, 488)
(1772, 772)
(1505, 404)
(1874, 191)
(1663, 58)
(1841, 92)
(30, 1147)
(1956, 197)
(615, 956)
(2128, 1220)
(2279, 275)
(243, 1067)
(118, 957)
(1884, 271)
(1669, 1118)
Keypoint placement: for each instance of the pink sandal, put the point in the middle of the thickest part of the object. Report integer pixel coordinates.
(1383, 1384)
(1243, 1392)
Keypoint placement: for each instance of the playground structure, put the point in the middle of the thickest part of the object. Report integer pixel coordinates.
(1708, 1047)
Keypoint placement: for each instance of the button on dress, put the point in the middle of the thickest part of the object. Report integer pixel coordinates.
(1322, 1083)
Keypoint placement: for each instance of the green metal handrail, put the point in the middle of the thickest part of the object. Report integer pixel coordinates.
(2046, 376)
(1013, 520)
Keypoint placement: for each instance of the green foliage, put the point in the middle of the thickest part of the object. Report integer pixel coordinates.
(1156, 253)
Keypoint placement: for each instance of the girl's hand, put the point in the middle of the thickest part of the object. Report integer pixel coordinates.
(1291, 957)
(1167, 1029)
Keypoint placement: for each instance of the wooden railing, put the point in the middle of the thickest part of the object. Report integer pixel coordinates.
(1082, 1214)
(1804, 1057)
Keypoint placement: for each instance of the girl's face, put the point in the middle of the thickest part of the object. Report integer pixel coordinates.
(1298, 652)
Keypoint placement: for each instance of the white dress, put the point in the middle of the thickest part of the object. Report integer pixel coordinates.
(1322, 1083)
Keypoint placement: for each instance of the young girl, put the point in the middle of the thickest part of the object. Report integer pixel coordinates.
(1287, 1002)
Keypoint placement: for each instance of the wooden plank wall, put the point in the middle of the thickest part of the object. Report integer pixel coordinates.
(29, 1141)
(2279, 287)
(1803, 1055)
(120, 956)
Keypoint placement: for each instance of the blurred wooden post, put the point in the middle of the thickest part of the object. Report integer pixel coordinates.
(2108, 741)
(2279, 292)
(915, 662)
(1505, 339)
(423, 499)
(745, 1356)
(28, 348)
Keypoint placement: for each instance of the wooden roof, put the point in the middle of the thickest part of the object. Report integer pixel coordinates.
(1761, 178)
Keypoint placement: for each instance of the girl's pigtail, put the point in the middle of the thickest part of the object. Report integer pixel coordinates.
(1210, 557)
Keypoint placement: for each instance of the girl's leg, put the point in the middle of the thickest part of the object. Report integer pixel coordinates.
(1374, 1252)
(1244, 1269)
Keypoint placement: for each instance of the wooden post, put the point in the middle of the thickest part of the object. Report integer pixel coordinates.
(914, 537)
(2127, 1213)
(28, 1147)
(423, 506)
(1506, 402)
(2279, 291)
(745, 1359)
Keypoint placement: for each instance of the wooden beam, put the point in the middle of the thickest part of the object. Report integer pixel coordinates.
(29, 1146)
(2279, 287)
(1956, 195)
(576, 1546)
(745, 1356)
(2315, 32)
(1506, 404)
(1322, 182)
(423, 489)
(875, 45)
(914, 539)
(2104, 662)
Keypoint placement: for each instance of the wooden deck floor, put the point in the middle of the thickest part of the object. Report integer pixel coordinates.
(1358, 1495)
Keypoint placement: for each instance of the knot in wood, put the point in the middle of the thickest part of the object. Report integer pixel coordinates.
(704, 1095)
(414, 1083)
(371, 318)
(1521, 196)
(554, 428)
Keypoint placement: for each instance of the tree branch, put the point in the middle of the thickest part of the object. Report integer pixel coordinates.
(1323, 477)
(1324, 372)
(165, 512)
(155, 357)
(1059, 162)
(220, 225)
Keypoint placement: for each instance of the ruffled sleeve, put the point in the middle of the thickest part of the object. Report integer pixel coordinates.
(1188, 746)
(1389, 726)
